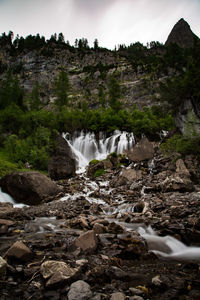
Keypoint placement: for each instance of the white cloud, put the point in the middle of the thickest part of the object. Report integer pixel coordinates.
(111, 21)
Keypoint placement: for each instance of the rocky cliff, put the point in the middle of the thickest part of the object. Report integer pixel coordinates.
(138, 69)
(181, 35)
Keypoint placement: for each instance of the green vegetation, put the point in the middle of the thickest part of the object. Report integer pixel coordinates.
(7, 166)
(94, 162)
(62, 87)
(183, 145)
(99, 173)
(27, 130)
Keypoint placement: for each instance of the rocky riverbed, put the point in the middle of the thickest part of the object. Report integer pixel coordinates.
(119, 236)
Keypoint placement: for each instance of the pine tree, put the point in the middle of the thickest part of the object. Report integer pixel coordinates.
(62, 87)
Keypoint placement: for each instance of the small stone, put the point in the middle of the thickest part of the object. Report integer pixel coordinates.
(3, 265)
(57, 271)
(98, 228)
(6, 222)
(20, 251)
(117, 296)
(87, 241)
(136, 298)
(79, 290)
(115, 228)
(135, 291)
(156, 280)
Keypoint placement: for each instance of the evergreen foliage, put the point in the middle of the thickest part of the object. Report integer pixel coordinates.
(62, 87)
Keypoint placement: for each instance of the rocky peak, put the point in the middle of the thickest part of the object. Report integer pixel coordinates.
(181, 34)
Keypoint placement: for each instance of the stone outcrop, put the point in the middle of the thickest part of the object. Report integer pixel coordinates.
(30, 188)
(61, 165)
(143, 150)
(181, 34)
(187, 120)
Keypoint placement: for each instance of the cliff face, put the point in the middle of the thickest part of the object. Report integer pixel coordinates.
(90, 70)
(181, 34)
(87, 72)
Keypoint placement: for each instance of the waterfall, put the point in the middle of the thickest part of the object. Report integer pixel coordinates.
(85, 146)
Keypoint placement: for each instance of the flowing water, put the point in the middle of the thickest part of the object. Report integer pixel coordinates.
(85, 146)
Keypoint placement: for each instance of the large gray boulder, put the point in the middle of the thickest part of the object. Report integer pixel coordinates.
(62, 165)
(143, 150)
(30, 188)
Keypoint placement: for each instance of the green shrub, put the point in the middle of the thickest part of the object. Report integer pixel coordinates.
(94, 162)
(99, 173)
(113, 154)
(182, 145)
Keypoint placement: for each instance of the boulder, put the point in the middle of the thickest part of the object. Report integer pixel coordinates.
(117, 296)
(30, 188)
(181, 169)
(127, 176)
(79, 290)
(57, 272)
(62, 165)
(143, 150)
(92, 168)
(20, 251)
(87, 241)
(131, 174)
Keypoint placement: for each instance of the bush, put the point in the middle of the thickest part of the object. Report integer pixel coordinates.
(182, 145)
(94, 162)
(99, 173)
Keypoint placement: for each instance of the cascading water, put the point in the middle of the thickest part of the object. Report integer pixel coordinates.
(86, 147)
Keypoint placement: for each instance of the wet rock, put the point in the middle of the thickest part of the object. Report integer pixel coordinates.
(133, 246)
(79, 290)
(79, 223)
(92, 168)
(117, 296)
(29, 187)
(57, 272)
(131, 174)
(117, 273)
(177, 183)
(135, 291)
(62, 164)
(3, 266)
(6, 208)
(98, 228)
(118, 181)
(181, 168)
(143, 150)
(87, 241)
(156, 281)
(115, 228)
(136, 298)
(6, 222)
(20, 251)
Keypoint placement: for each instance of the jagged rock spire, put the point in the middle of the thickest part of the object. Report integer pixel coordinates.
(181, 34)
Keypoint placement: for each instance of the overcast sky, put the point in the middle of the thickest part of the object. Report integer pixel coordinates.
(112, 22)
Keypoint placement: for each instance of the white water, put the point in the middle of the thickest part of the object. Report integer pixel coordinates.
(4, 197)
(86, 147)
(168, 247)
